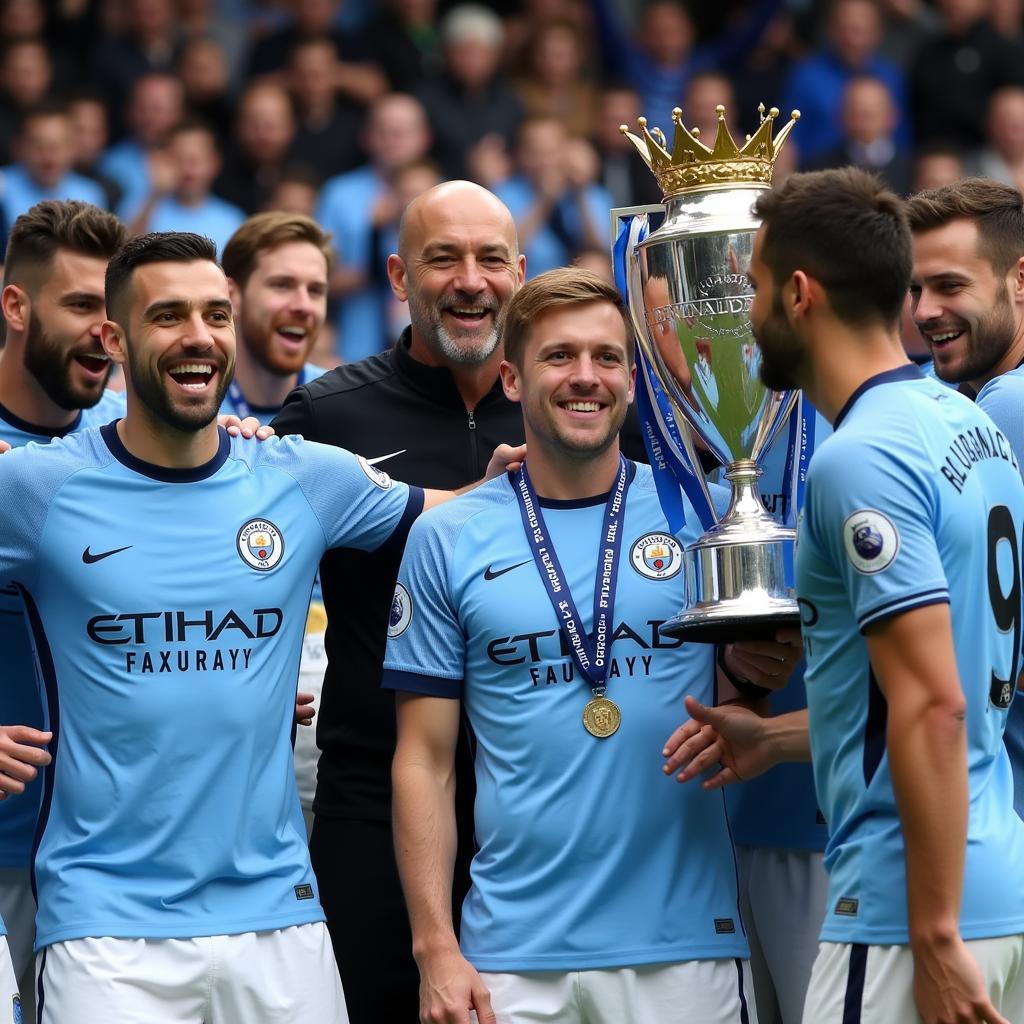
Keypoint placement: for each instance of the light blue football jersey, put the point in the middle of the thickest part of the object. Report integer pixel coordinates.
(911, 498)
(167, 611)
(1002, 398)
(235, 403)
(19, 694)
(780, 808)
(589, 856)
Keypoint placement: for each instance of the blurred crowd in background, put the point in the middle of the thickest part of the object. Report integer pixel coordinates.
(193, 114)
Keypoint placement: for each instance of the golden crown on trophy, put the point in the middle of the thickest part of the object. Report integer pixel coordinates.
(691, 165)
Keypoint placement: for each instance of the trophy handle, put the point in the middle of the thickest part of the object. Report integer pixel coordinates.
(638, 317)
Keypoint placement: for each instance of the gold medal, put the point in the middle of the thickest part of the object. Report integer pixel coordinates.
(601, 717)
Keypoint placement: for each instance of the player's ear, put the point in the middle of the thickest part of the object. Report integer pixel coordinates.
(1018, 281)
(510, 380)
(235, 295)
(798, 294)
(16, 306)
(396, 276)
(112, 340)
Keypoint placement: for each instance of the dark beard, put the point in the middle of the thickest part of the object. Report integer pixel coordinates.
(781, 353)
(990, 339)
(50, 366)
(155, 399)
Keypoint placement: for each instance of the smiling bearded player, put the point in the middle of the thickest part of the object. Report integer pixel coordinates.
(277, 266)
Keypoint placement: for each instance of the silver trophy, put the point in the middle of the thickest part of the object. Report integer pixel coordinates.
(689, 300)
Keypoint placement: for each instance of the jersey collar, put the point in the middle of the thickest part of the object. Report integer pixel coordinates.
(911, 371)
(163, 473)
(31, 428)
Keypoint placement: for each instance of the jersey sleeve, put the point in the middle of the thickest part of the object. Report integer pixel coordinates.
(357, 505)
(873, 514)
(1003, 400)
(25, 491)
(426, 649)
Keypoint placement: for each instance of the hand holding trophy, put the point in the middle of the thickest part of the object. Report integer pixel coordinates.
(689, 299)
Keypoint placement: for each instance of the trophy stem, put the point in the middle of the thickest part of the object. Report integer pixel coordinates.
(739, 574)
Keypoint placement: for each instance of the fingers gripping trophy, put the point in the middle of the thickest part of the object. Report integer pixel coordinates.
(689, 299)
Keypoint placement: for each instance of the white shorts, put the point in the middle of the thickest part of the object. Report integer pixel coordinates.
(857, 984)
(11, 1011)
(18, 907)
(782, 902)
(275, 977)
(692, 992)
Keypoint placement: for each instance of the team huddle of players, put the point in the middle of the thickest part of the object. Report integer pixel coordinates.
(159, 570)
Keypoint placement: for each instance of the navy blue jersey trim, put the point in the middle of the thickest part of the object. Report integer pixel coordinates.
(898, 606)
(40, 993)
(874, 728)
(596, 499)
(909, 371)
(413, 507)
(49, 674)
(744, 1013)
(164, 473)
(855, 979)
(416, 682)
(32, 428)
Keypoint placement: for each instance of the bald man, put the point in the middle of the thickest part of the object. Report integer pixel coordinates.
(430, 410)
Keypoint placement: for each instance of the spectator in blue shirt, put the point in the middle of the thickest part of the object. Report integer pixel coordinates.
(180, 194)
(817, 83)
(554, 198)
(664, 54)
(46, 154)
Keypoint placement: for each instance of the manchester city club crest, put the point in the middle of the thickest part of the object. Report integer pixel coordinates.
(400, 614)
(871, 540)
(260, 544)
(16, 1009)
(656, 556)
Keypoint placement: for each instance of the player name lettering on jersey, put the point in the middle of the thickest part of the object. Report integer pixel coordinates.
(970, 448)
(180, 627)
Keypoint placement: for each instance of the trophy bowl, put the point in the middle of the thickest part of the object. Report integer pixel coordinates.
(689, 300)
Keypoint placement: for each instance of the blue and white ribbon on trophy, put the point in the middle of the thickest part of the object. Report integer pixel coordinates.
(670, 459)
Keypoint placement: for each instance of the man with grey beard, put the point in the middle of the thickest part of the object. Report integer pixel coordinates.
(433, 408)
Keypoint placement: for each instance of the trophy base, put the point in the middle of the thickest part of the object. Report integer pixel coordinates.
(737, 584)
(724, 624)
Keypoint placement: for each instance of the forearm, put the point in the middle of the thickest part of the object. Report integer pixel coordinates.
(790, 736)
(928, 764)
(423, 808)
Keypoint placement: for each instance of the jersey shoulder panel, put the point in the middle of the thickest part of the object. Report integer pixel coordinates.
(355, 504)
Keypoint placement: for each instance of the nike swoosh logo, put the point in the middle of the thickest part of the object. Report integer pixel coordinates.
(490, 574)
(88, 557)
(384, 458)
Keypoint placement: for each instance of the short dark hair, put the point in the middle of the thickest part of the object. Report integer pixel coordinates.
(156, 247)
(845, 229)
(55, 224)
(996, 209)
(555, 289)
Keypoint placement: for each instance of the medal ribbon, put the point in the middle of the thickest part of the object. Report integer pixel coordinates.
(590, 654)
